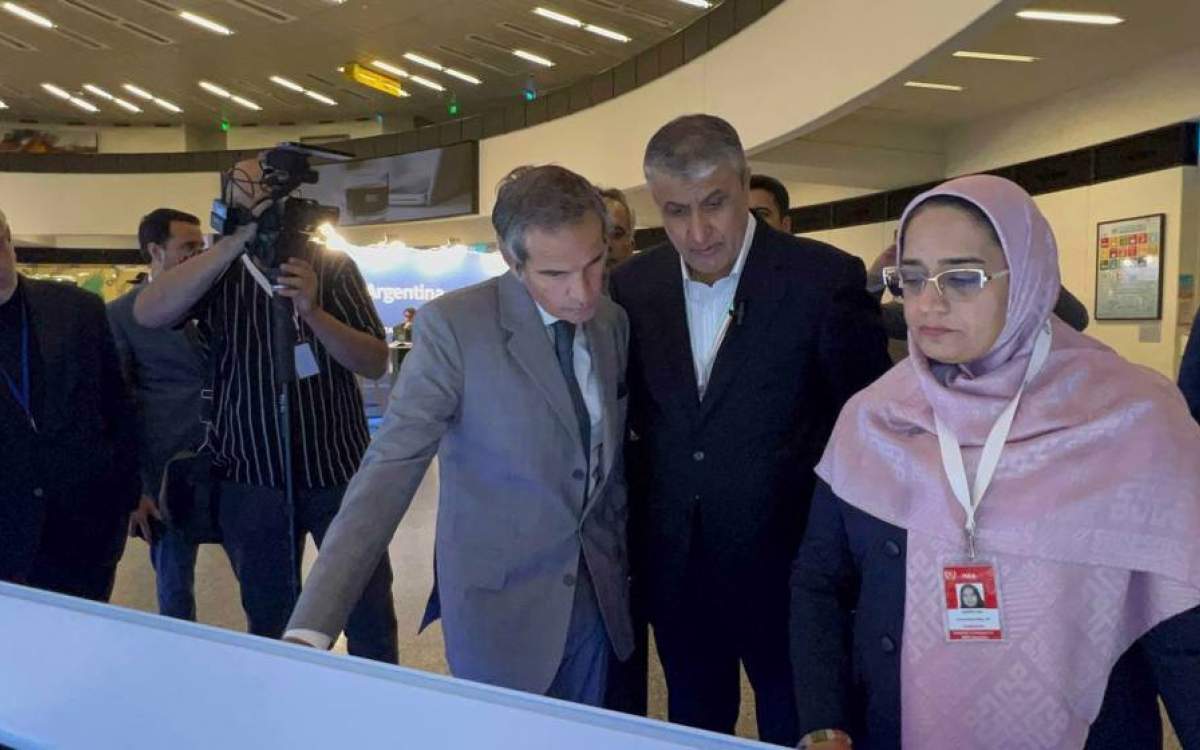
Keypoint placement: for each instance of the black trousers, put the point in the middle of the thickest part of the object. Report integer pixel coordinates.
(79, 558)
(263, 551)
(704, 638)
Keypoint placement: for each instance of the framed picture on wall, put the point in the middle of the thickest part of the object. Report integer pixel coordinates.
(1129, 268)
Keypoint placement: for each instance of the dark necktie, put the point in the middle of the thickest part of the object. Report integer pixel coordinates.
(564, 347)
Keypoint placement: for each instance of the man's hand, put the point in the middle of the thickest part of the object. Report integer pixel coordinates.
(300, 281)
(139, 520)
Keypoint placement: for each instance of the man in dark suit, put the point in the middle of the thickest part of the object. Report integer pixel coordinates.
(67, 458)
(742, 352)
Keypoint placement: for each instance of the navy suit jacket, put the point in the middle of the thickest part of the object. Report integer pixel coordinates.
(733, 472)
(848, 591)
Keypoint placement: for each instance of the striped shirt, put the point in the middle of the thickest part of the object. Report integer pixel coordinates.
(328, 423)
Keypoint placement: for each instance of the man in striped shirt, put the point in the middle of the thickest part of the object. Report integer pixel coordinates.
(339, 332)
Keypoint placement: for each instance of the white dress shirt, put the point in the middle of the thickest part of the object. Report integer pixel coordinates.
(710, 310)
(589, 386)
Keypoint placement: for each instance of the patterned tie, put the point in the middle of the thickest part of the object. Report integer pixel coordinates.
(564, 347)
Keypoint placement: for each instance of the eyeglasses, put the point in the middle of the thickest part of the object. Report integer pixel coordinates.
(953, 285)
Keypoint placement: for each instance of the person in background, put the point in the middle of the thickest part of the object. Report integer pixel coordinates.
(68, 455)
(1011, 451)
(621, 219)
(402, 332)
(338, 336)
(745, 342)
(1189, 370)
(165, 370)
(769, 202)
(517, 384)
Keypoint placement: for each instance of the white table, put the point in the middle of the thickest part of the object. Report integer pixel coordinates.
(77, 674)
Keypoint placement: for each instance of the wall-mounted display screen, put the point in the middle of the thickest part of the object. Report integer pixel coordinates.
(433, 184)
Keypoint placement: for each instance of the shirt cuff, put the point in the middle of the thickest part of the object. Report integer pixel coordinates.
(311, 637)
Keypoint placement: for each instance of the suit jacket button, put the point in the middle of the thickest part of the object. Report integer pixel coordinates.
(698, 456)
(887, 644)
(891, 549)
(568, 580)
(577, 474)
(37, 492)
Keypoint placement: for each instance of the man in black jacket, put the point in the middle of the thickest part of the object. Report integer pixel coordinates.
(67, 454)
(745, 343)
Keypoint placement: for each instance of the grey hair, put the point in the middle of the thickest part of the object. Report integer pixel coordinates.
(543, 197)
(618, 196)
(692, 146)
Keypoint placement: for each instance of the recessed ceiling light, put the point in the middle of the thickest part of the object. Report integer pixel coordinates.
(995, 56)
(427, 83)
(389, 68)
(697, 3)
(606, 33)
(560, 17)
(28, 15)
(245, 103)
(3, 105)
(1096, 19)
(538, 59)
(411, 57)
(934, 86)
(205, 23)
(213, 88)
(320, 97)
(84, 104)
(138, 92)
(287, 84)
(60, 93)
(98, 91)
(463, 76)
(167, 106)
(128, 106)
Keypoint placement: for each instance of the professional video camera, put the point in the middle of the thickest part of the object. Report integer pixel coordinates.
(285, 227)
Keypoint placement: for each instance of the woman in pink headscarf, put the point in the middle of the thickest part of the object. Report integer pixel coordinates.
(1004, 547)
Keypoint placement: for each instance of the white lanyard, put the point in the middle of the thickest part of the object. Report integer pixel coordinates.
(952, 459)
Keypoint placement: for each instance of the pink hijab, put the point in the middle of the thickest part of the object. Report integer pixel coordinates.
(1092, 518)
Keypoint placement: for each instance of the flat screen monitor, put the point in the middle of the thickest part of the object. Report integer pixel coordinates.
(432, 184)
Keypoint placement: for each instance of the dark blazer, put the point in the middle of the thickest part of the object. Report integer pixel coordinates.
(1189, 370)
(848, 593)
(738, 465)
(73, 482)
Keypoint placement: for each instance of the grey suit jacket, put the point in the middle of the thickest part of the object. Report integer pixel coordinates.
(482, 390)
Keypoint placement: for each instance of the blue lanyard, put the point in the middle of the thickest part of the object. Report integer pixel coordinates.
(22, 394)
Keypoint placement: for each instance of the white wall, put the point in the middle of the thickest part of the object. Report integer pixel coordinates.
(1163, 93)
(1074, 214)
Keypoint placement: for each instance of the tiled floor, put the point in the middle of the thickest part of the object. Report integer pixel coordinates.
(412, 559)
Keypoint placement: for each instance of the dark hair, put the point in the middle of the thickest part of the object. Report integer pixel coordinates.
(775, 188)
(545, 197)
(692, 146)
(974, 590)
(962, 204)
(618, 196)
(155, 227)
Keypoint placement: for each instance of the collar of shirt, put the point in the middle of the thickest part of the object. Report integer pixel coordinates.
(738, 265)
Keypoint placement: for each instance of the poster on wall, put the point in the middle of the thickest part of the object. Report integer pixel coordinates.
(1129, 268)
(42, 141)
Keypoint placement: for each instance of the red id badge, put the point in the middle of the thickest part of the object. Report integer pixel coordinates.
(971, 595)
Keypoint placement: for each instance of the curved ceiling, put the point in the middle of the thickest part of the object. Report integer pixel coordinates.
(118, 48)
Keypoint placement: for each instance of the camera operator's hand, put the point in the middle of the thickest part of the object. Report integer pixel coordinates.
(301, 282)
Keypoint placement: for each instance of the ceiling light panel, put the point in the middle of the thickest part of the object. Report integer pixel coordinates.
(560, 17)
(536, 59)
(127, 106)
(55, 90)
(3, 105)
(616, 36)
(697, 3)
(933, 86)
(205, 23)
(91, 89)
(213, 88)
(1095, 19)
(573, 22)
(287, 84)
(22, 12)
(427, 83)
(242, 101)
(997, 56)
(387, 67)
(167, 105)
(137, 91)
(321, 98)
(463, 76)
(84, 104)
(419, 60)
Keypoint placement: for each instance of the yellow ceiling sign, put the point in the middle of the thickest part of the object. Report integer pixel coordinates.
(370, 78)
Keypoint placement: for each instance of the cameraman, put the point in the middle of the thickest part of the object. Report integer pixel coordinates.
(337, 322)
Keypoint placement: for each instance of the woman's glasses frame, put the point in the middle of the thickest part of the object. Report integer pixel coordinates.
(952, 285)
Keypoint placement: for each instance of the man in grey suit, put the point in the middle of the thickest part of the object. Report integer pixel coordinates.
(516, 384)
